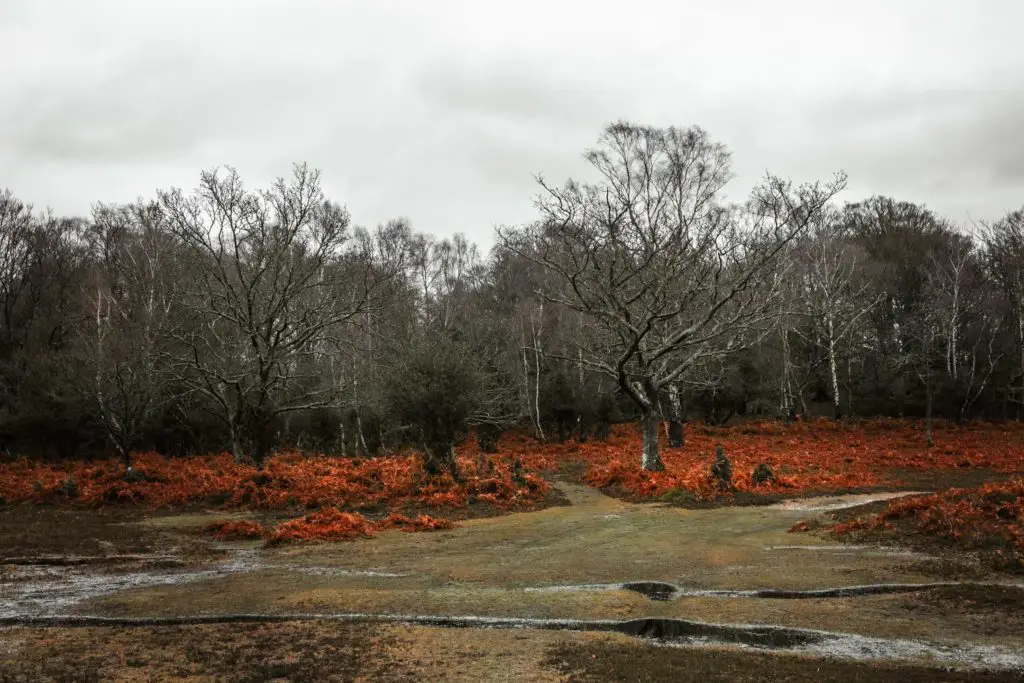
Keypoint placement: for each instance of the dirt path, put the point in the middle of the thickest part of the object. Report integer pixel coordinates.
(724, 566)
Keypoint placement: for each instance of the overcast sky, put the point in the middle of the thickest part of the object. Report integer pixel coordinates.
(442, 111)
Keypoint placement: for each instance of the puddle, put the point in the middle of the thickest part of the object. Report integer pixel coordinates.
(51, 589)
(78, 560)
(667, 632)
(842, 592)
(661, 591)
(576, 588)
(682, 631)
(862, 550)
(655, 590)
(337, 571)
(47, 586)
(826, 503)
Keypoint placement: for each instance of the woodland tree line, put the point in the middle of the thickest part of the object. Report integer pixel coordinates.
(228, 318)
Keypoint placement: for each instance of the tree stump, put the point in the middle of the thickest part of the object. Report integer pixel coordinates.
(721, 469)
(763, 474)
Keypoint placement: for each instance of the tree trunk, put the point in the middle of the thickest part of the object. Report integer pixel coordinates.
(928, 399)
(849, 388)
(260, 450)
(531, 396)
(928, 411)
(439, 457)
(536, 396)
(487, 436)
(1020, 342)
(676, 434)
(784, 403)
(837, 411)
(360, 437)
(237, 448)
(125, 455)
(535, 331)
(651, 456)
(259, 433)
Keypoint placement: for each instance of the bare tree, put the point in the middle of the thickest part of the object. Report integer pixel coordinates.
(16, 225)
(670, 276)
(933, 324)
(442, 271)
(799, 359)
(275, 272)
(133, 302)
(1004, 252)
(970, 319)
(832, 299)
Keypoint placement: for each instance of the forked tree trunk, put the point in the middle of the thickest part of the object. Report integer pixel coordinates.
(438, 458)
(651, 455)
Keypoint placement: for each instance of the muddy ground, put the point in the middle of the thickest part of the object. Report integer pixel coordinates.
(572, 566)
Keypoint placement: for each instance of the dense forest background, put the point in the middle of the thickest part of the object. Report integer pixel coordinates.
(228, 318)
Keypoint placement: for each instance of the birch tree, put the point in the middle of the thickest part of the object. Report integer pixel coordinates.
(833, 300)
(1004, 254)
(669, 274)
(132, 300)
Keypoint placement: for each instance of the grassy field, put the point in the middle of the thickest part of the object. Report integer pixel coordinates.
(563, 554)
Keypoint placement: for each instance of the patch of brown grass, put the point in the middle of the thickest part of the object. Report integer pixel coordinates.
(297, 652)
(604, 661)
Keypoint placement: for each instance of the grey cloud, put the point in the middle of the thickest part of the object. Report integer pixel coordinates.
(148, 107)
(442, 111)
(939, 145)
(964, 162)
(521, 91)
(852, 112)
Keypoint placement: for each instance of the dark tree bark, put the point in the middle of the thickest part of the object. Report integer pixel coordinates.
(676, 434)
(652, 457)
(487, 436)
